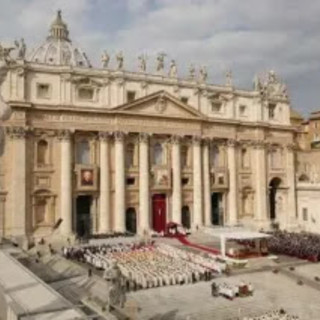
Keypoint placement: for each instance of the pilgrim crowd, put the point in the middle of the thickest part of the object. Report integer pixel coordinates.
(300, 245)
(148, 265)
(274, 315)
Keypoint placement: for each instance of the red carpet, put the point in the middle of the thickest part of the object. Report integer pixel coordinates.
(186, 242)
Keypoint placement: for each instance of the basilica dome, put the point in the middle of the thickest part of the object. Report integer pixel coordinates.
(58, 49)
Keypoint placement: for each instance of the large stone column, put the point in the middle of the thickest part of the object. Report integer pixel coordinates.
(119, 214)
(261, 188)
(291, 201)
(197, 183)
(18, 180)
(65, 182)
(144, 194)
(176, 179)
(206, 184)
(104, 214)
(2, 216)
(233, 185)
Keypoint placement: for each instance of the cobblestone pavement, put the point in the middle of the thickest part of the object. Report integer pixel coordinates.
(272, 291)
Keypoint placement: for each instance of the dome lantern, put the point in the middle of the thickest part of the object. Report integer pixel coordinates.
(59, 30)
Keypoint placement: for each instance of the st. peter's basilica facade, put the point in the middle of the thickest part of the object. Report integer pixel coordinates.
(92, 150)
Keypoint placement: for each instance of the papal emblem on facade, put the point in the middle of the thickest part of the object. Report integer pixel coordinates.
(161, 104)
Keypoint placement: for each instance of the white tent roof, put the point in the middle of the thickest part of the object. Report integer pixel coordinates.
(236, 233)
(245, 235)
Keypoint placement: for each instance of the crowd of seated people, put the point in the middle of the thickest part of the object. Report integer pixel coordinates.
(274, 315)
(300, 245)
(148, 265)
(111, 235)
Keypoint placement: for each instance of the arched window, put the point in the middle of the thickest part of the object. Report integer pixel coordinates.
(83, 152)
(130, 155)
(42, 152)
(214, 156)
(184, 156)
(158, 154)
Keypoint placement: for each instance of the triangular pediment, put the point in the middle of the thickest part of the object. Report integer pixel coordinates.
(160, 103)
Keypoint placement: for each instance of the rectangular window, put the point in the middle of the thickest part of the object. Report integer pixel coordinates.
(305, 214)
(272, 108)
(131, 96)
(85, 93)
(216, 106)
(184, 100)
(243, 110)
(43, 91)
(184, 181)
(131, 181)
(220, 180)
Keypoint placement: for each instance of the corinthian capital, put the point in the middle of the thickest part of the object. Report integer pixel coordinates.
(291, 147)
(104, 135)
(16, 132)
(175, 139)
(259, 144)
(196, 140)
(119, 136)
(143, 137)
(232, 143)
(64, 134)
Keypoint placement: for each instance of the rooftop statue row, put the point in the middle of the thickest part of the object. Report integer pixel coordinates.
(160, 66)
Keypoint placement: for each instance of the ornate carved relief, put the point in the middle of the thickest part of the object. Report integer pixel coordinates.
(87, 81)
(161, 104)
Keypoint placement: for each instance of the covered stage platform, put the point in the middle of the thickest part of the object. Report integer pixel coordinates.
(246, 242)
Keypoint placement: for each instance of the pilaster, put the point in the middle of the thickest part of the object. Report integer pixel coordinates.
(64, 136)
(18, 199)
(144, 195)
(104, 212)
(176, 177)
(197, 182)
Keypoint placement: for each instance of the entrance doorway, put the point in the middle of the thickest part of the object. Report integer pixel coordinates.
(216, 209)
(185, 217)
(273, 190)
(83, 216)
(159, 212)
(131, 220)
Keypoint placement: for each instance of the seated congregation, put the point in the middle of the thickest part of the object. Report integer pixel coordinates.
(300, 245)
(147, 265)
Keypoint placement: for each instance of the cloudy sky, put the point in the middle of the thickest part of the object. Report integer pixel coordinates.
(247, 36)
